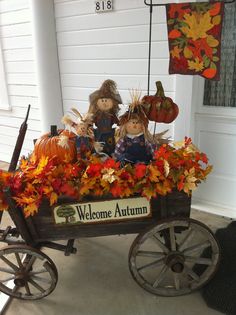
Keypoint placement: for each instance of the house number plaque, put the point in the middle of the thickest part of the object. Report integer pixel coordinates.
(103, 6)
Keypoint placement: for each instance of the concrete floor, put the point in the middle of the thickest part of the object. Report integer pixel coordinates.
(97, 281)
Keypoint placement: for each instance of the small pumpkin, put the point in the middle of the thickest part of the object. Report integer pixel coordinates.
(50, 145)
(158, 107)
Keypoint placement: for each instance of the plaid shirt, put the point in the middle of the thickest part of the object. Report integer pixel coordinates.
(122, 145)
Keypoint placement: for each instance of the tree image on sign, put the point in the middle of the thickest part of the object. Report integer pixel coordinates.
(66, 212)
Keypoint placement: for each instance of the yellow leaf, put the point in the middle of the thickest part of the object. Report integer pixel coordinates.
(192, 148)
(23, 164)
(196, 65)
(109, 175)
(216, 19)
(178, 144)
(126, 191)
(187, 53)
(162, 189)
(166, 168)
(175, 52)
(153, 173)
(190, 181)
(208, 170)
(198, 25)
(211, 41)
(149, 192)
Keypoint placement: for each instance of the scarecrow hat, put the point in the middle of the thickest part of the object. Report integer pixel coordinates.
(107, 90)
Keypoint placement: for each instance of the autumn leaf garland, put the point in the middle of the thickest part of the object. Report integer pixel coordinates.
(180, 166)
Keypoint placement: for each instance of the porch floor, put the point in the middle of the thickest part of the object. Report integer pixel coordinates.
(97, 281)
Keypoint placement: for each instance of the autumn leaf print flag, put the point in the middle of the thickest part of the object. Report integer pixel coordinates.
(194, 34)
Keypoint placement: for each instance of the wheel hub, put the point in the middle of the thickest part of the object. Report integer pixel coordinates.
(175, 260)
(21, 279)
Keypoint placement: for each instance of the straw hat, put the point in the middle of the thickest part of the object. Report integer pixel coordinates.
(135, 110)
(107, 90)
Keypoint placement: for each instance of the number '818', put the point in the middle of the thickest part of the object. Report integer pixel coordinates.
(103, 5)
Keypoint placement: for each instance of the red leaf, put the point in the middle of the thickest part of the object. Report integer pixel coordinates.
(116, 190)
(140, 170)
(178, 10)
(68, 190)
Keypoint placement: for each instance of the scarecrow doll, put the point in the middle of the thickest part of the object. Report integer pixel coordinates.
(104, 106)
(135, 142)
(84, 139)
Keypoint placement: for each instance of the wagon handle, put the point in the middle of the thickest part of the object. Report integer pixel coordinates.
(19, 143)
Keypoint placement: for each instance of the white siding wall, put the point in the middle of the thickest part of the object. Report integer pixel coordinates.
(93, 47)
(17, 47)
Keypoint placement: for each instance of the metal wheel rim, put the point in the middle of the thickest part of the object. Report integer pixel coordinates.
(165, 258)
(18, 266)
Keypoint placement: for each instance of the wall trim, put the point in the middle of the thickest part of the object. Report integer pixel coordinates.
(217, 209)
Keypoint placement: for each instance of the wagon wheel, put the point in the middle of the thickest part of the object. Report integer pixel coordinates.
(26, 273)
(174, 257)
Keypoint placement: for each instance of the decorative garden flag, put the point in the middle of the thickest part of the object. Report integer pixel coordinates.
(194, 34)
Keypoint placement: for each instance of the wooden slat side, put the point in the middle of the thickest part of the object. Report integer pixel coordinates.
(177, 204)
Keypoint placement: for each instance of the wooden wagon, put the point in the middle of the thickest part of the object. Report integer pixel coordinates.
(172, 254)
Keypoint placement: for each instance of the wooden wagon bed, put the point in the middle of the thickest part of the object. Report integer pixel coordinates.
(41, 227)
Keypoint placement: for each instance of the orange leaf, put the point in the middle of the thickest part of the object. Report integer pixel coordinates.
(215, 9)
(41, 165)
(209, 73)
(31, 209)
(174, 34)
(53, 198)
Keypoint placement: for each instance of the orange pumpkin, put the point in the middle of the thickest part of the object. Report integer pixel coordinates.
(160, 108)
(48, 145)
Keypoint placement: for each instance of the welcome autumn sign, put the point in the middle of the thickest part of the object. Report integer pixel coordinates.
(102, 211)
(194, 34)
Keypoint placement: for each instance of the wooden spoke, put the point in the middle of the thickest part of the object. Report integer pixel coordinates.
(7, 279)
(160, 244)
(176, 280)
(27, 289)
(172, 239)
(161, 276)
(41, 279)
(18, 260)
(36, 285)
(9, 263)
(153, 264)
(2, 269)
(38, 272)
(191, 273)
(30, 263)
(199, 260)
(148, 253)
(186, 239)
(199, 246)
